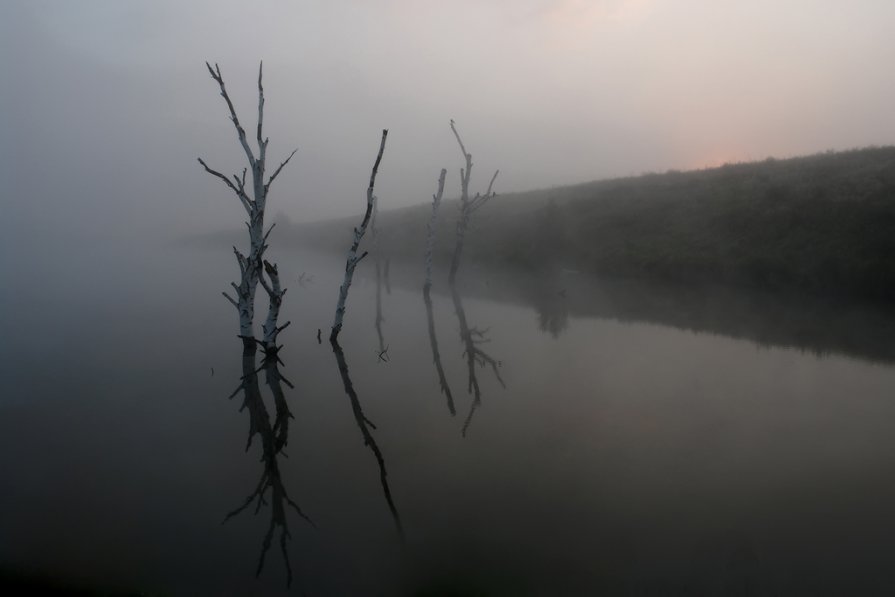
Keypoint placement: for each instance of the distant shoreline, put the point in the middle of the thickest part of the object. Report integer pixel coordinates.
(821, 224)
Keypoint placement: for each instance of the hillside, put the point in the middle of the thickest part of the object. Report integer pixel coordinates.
(823, 224)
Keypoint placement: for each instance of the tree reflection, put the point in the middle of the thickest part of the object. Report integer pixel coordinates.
(383, 349)
(553, 310)
(273, 438)
(436, 355)
(472, 338)
(364, 424)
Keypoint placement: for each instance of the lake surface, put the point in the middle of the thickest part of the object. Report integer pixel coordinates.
(626, 439)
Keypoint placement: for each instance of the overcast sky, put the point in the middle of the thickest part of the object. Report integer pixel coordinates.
(107, 104)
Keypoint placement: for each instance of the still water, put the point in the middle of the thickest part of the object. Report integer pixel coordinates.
(604, 438)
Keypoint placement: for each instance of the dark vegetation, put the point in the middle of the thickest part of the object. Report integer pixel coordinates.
(822, 224)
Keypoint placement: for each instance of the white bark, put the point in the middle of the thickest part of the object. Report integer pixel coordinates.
(245, 292)
(275, 293)
(250, 265)
(467, 205)
(432, 227)
(353, 259)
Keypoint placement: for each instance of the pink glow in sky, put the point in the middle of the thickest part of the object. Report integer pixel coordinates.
(550, 91)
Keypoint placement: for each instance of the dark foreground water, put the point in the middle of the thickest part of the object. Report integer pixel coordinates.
(622, 439)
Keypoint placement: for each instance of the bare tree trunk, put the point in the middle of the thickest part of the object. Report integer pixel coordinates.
(275, 293)
(245, 293)
(431, 229)
(353, 259)
(467, 205)
(250, 265)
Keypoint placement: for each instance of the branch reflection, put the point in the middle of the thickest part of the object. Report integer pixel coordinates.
(472, 338)
(273, 439)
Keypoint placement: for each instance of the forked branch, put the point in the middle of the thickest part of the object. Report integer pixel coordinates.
(216, 75)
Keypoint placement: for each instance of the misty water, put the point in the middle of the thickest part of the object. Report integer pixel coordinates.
(625, 441)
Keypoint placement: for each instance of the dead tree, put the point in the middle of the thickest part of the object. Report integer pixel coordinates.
(431, 228)
(254, 201)
(467, 205)
(472, 338)
(353, 259)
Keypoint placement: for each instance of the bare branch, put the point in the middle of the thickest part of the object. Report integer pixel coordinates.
(241, 260)
(481, 200)
(269, 230)
(241, 183)
(264, 285)
(467, 205)
(261, 144)
(216, 75)
(277, 171)
(229, 298)
(219, 175)
(491, 184)
(376, 163)
(475, 204)
(240, 190)
(466, 155)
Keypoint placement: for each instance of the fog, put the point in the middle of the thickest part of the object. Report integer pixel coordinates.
(106, 104)
(715, 419)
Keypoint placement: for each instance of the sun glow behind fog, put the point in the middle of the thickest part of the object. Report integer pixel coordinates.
(552, 92)
(585, 14)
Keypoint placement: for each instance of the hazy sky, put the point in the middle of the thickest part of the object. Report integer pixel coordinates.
(107, 104)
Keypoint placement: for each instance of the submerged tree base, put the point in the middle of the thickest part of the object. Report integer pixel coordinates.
(249, 345)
